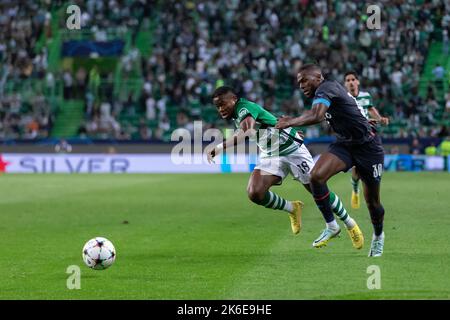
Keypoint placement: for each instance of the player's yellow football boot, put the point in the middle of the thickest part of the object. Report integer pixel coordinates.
(355, 200)
(296, 216)
(357, 236)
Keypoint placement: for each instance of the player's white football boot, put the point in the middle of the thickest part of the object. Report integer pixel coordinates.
(376, 248)
(326, 235)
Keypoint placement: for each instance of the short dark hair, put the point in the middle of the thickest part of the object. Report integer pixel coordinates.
(351, 72)
(220, 91)
(310, 66)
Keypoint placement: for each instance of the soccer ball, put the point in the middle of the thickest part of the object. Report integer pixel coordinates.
(99, 253)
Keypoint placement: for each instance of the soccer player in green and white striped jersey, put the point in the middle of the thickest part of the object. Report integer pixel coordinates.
(282, 152)
(365, 105)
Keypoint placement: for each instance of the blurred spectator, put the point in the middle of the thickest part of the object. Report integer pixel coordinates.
(161, 106)
(445, 147)
(94, 82)
(443, 132)
(150, 107)
(431, 150)
(184, 122)
(439, 74)
(163, 128)
(68, 85)
(447, 102)
(63, 147)
(445, 41)
(394, 150)
(81, 79)
(145, 132)
(416, 147)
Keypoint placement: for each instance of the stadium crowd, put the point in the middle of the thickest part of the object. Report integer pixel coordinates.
(257, 46)
(21, 115)
(254, 46)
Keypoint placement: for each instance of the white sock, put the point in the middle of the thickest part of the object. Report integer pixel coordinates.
(349, 222)
(333, 225)
(288, 207)
(380, 237)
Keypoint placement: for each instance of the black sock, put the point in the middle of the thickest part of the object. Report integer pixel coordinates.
(321, 196)
(377, 217)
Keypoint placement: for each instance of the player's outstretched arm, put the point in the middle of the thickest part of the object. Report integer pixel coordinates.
(374, 114)
(247, 129)
(309, 117)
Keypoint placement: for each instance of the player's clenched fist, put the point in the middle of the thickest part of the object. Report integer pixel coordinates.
(384, 121)
(210, 154)
(283, 122)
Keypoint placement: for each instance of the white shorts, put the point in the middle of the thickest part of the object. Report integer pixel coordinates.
(299, 164)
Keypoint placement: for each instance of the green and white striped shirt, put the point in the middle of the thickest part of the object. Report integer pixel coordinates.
(364, 101)
(269, 142)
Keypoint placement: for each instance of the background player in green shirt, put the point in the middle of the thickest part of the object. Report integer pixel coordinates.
(282, 152)
(365, 105)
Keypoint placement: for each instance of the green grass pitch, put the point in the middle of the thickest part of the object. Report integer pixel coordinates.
(198, 237)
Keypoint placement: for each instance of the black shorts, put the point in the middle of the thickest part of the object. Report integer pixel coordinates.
(368, 158)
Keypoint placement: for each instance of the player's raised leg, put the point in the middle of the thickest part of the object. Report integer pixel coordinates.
(376, 210)
(355, 202)
(353, 229)
(339, 210)
(327, 166)
(258, 192)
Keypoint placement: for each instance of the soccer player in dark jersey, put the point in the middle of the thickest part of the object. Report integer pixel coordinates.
(357, 145)
(282, 153)
(365, 105)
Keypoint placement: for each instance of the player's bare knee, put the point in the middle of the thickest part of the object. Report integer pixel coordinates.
(255, 195)
(317, 177)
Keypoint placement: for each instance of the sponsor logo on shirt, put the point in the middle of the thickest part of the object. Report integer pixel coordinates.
(243, 112)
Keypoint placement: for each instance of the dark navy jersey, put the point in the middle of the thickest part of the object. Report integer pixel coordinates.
(343, 115)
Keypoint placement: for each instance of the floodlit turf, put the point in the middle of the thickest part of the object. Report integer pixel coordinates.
(198, 237)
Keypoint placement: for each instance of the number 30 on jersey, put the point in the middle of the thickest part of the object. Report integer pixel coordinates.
(377, 170)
